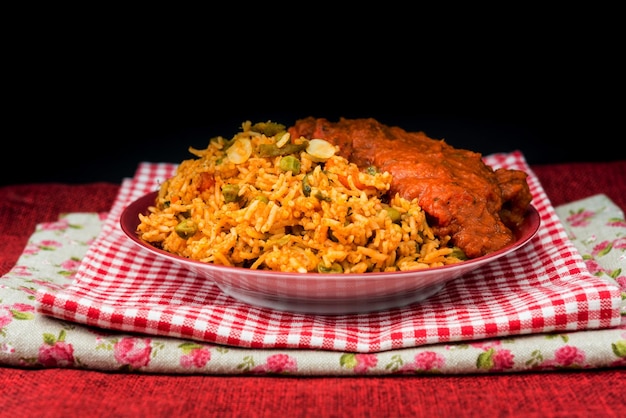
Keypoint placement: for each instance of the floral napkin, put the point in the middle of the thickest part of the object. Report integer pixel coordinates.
(586, 222)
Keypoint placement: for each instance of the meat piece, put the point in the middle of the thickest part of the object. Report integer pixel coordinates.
(462, 196)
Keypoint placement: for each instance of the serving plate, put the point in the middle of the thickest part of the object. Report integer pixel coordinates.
(325, 293)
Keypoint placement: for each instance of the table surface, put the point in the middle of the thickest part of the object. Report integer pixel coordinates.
(56, 392)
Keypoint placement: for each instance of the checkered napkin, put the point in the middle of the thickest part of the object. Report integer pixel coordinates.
(542, 287)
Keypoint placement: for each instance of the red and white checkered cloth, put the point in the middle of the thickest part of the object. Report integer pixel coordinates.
(542, 287)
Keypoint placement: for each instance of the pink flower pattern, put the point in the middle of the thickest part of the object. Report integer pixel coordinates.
(503, 360)
(133, 352)
(601, 247)
(364, 362)
(360, 363)
(23, 307)
(55, 351)
(568, 355)
(197, 357)
(59, 225)
(619, 223)
(47, 285)
(22, 271)
(619, 243)
(495, 359)
(15, 311)
(594, 267)
(429, 360)
(277, 364)
(71, 264)
(31, 249)
(49, 244)
(59, 354)
(426, 361)
(580, 218)
(5, 316)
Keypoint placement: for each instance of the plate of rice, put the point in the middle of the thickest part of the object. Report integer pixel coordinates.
(286, 223)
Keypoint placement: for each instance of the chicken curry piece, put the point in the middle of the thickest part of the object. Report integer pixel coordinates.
(478, 207)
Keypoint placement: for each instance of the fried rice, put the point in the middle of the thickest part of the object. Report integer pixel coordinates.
(264, 200)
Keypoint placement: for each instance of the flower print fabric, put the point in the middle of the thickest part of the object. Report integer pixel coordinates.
(596, 226)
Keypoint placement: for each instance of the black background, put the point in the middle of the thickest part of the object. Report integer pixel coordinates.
(86, 141)
(92, 111)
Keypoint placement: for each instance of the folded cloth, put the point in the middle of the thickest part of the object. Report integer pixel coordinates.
(542, 287)
(52, 256)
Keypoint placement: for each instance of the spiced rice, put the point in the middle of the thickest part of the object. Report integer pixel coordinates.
(263, 200)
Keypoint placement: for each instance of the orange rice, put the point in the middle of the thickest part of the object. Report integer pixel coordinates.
(263, 200)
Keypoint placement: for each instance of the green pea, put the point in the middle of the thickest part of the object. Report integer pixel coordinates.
(323, 196)
(334, 268)
(230, 192)
(290, 163)
(306, 186)
(372, 170)
(393, 213)
(186, 229)
(262, 198)
(458, 253)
